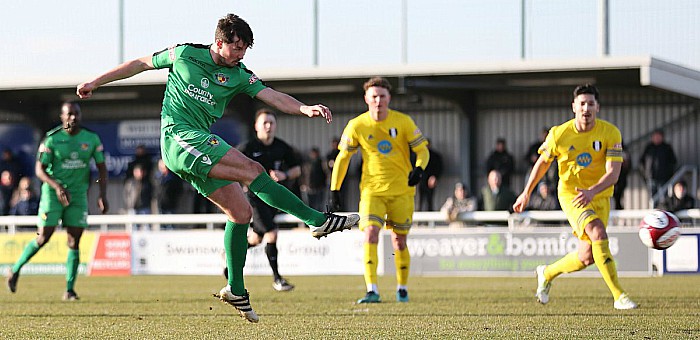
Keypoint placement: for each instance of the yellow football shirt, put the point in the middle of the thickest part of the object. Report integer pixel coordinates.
(581, 156)
(385, 148)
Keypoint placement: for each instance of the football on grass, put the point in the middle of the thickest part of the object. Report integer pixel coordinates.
(659, 229)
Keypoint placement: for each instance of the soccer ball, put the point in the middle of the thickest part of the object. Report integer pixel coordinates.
(659, 229)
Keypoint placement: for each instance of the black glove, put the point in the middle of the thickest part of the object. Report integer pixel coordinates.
(334, 201)
(414, 176)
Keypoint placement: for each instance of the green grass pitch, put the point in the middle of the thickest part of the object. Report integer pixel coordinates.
(181, 307)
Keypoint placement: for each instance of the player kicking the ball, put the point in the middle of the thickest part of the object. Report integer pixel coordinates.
(589, 155)
(202, 79)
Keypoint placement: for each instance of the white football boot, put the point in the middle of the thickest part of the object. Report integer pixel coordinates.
(543, 285)
(241, 303)
(624, 302)
(334, 223)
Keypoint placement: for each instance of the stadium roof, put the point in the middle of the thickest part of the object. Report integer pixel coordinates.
(610, 71)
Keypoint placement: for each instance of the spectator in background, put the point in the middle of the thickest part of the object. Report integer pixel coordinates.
(316, 181)
(169, 188)
(496, 196)
(143, 158)
(532, 153)
(201, 205)
(330, 162)
(544, 199)
(426, 187)
(531, 156)
(7, 187)
(658, 161)
(460, 202)
(621, 185)
(502, 161)
(9, 162)
(24, 200)
(138, 192)
(680, 200)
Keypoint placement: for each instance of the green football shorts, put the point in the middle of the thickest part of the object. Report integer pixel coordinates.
(51, 211)
(192, 154)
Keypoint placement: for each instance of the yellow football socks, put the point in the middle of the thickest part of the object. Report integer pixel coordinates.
(606, 265)
(567, 264)
(402, 259)
(371, 260)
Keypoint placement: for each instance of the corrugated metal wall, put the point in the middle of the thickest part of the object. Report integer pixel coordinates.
(516, 115)
(519, 116)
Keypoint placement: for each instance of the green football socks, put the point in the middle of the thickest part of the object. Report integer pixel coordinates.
(72, 264)
(236, 247)
(278, 196)
(29, 251)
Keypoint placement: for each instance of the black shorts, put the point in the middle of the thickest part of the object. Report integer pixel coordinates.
(263, 216)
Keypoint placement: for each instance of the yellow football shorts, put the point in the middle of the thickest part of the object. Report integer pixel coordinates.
(391, 212)
(578, 218)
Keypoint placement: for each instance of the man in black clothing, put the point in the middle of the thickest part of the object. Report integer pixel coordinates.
(658, 161)
(142, 158)
(680, 200)
(330, 161)
(502, 161)
(169, 188)
(428, 183)
(317, 180)
(281, 162)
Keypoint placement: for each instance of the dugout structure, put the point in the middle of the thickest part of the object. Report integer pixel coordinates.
(461, 107)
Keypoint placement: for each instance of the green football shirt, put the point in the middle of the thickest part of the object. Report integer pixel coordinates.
(198, 90)
(67, 159)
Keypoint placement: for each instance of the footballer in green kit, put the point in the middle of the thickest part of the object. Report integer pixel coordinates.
(202, 79)
(63, 165)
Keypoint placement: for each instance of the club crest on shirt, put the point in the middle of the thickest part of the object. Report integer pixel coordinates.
(253, 78)
(597, 145)
(584, 159)
(221, 78)
(213, 141)
(384, 147)
(84, 146)
(393, 132)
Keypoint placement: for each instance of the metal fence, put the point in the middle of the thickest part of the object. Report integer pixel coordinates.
(433, 219)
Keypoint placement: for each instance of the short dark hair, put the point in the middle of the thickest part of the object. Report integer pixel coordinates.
(586, 89)
(264, 111)
(377, 81)
(232, 25)
(72, 104)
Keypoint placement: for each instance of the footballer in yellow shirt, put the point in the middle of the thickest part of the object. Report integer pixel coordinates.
(385, 138)
(589, 155)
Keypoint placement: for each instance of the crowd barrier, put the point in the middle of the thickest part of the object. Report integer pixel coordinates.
(430, 219)
(114, 246)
